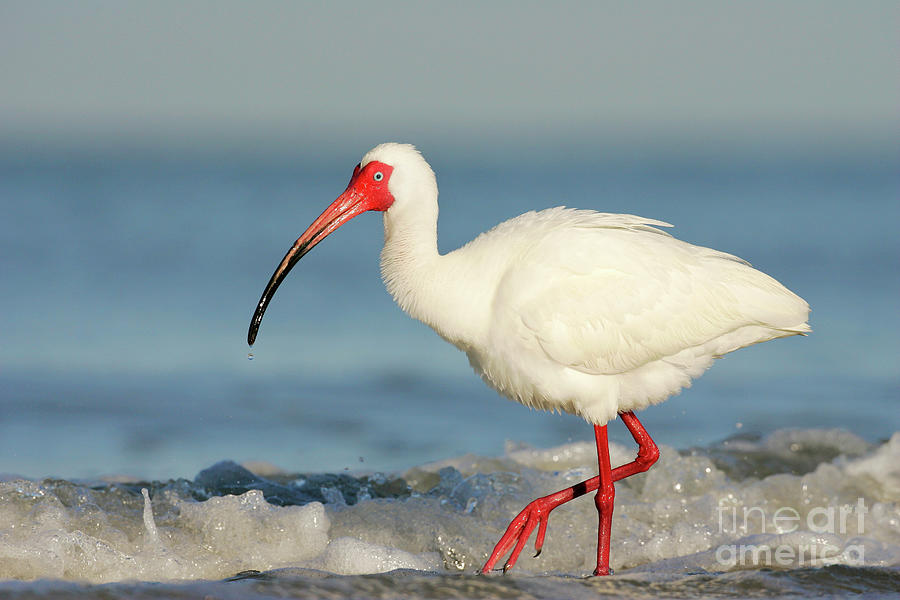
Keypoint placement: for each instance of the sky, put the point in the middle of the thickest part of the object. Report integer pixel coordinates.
(267, 75)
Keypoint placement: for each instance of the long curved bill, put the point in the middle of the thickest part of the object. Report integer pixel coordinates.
(348, 205)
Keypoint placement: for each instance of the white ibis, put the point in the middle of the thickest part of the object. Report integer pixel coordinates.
(568, 310)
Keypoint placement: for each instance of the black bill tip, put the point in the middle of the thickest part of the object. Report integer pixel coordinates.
(287, 263)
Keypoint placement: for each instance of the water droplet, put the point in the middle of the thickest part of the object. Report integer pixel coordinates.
(249, 356)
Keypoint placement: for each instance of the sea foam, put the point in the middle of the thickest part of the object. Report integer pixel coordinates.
(793, 499)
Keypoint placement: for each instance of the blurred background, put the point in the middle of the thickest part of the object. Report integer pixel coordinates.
(157, 159)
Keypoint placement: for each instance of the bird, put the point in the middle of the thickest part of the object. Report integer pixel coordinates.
(589, 313)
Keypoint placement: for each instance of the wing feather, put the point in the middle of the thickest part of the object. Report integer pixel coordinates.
(606, 294)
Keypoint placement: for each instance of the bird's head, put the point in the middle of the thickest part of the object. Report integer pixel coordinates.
(388, 179)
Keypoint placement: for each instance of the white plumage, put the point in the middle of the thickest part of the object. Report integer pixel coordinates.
(574, 310)
(590, 313)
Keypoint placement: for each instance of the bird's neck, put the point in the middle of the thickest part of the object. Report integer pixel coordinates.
(424, 283)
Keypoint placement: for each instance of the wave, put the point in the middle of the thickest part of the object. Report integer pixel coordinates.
(792, 502)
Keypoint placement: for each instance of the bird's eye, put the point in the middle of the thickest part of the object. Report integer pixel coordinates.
(378, 176)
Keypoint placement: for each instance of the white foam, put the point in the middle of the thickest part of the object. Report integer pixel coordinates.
(41, 538)
(683, 513)
(149, 523)
(349, 556)
(881, 469)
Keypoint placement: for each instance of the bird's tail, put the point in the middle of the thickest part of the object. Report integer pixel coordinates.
(798, 330)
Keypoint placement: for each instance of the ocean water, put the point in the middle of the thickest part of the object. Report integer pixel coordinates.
(127, 289)
(808, 512)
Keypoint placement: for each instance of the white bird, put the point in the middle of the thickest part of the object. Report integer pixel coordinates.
(589, 313)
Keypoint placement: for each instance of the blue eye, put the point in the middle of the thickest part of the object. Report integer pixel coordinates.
(378, 176)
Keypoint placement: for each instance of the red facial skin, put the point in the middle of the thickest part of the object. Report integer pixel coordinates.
(367, 190)
(364, 183)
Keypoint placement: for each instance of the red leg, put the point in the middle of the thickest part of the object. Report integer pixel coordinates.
(648, 453)
(537, 513)
(604, 501)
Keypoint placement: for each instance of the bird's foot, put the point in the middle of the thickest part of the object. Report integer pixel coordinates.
(518, 532)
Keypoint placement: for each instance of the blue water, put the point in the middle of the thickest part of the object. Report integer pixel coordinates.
(128, 285)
